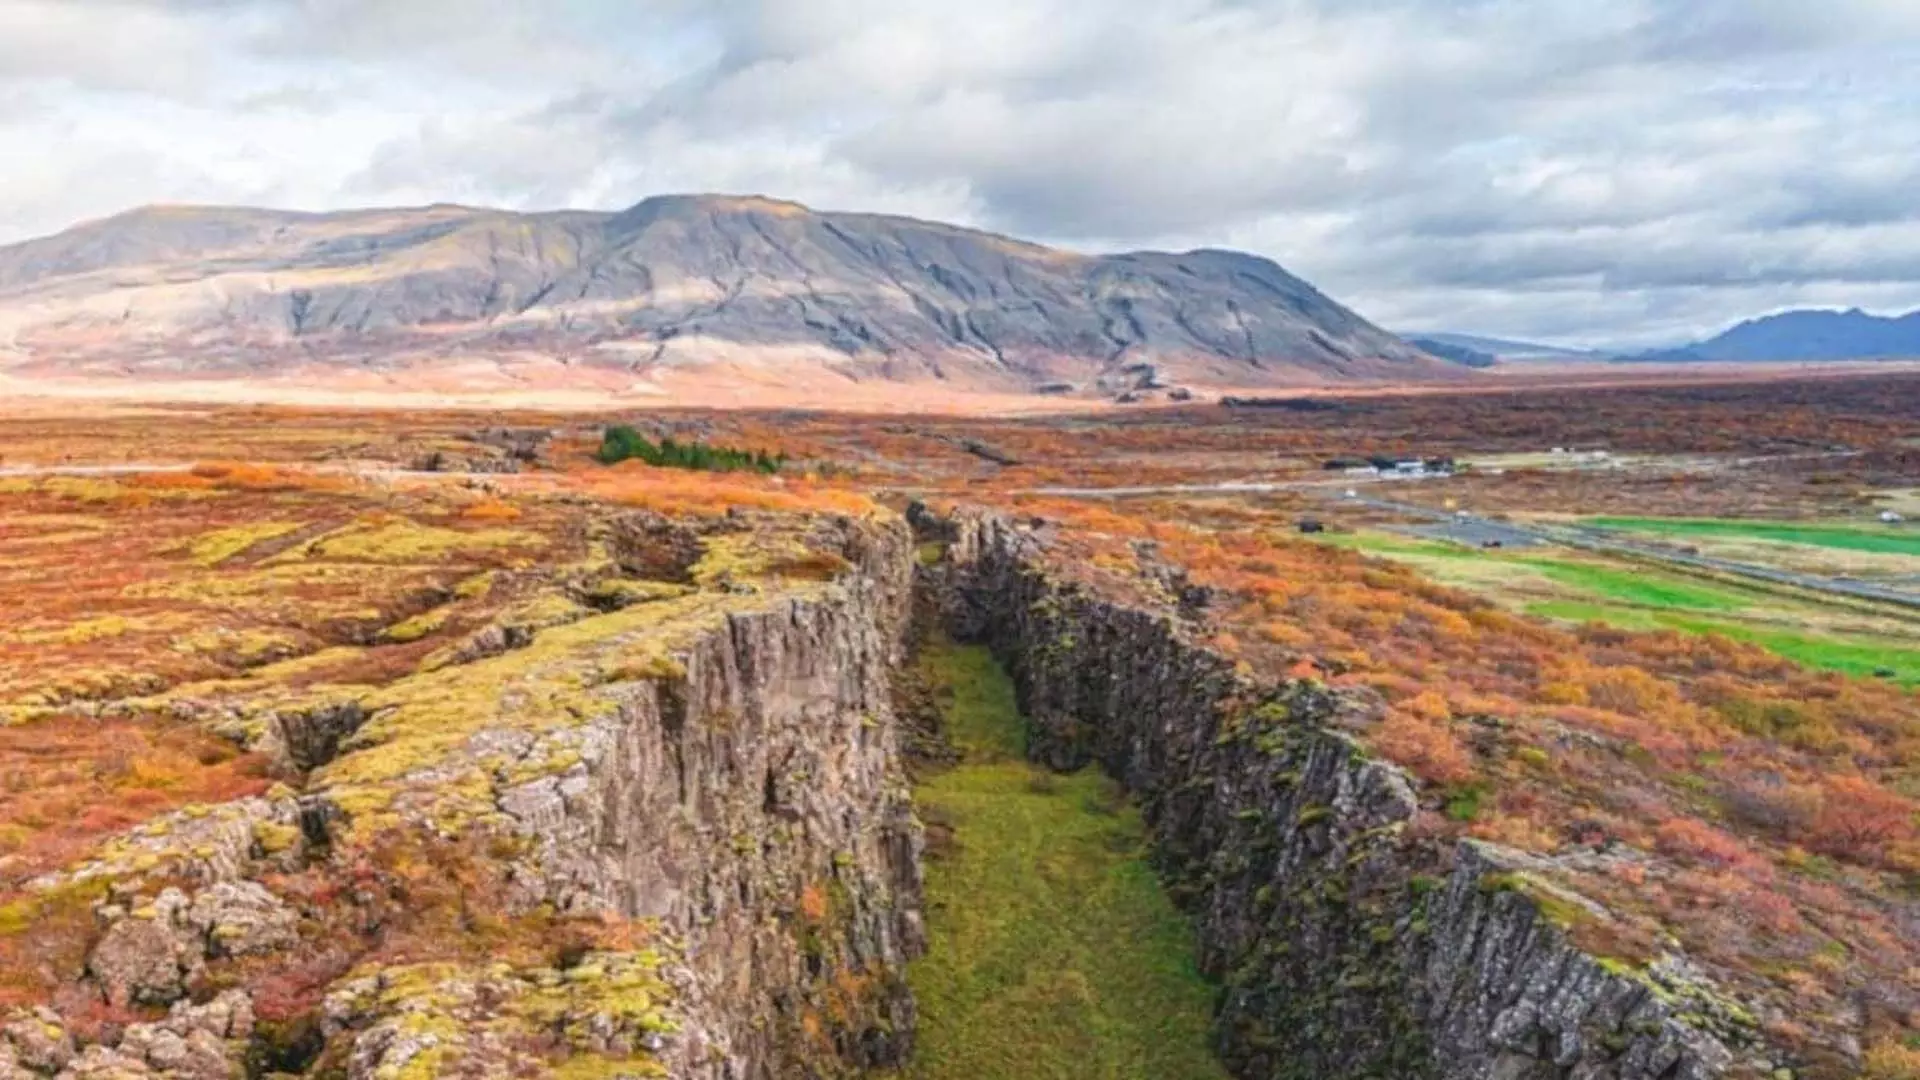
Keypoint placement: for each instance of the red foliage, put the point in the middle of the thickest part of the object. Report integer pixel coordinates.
(1859, 817)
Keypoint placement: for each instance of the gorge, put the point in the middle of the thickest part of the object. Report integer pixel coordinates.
(671, 834)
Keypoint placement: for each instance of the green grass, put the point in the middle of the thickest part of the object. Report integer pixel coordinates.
(1378, 543)
(1849, 655)
(1636, 586)
(1640, 587)
(1846, 537)
(1054, 954)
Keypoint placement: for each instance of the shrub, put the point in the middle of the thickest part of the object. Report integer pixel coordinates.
(622, 443)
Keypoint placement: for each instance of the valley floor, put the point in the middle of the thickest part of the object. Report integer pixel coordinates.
(1054, 953)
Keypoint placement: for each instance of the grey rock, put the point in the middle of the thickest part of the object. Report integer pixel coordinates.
(862, 295)
(242, 919)
(1345, 947)
(149, 956)
(38, 1042)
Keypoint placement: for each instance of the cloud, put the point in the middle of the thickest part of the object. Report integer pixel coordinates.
(1641, 171)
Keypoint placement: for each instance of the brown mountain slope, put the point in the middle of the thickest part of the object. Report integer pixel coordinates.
(680, 284)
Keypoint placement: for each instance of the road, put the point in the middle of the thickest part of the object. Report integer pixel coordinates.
(1608, 542)
(1227, 487)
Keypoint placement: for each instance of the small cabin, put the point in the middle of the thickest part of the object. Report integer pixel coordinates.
(1312, 525)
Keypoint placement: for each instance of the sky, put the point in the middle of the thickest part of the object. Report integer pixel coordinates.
(1600, 172)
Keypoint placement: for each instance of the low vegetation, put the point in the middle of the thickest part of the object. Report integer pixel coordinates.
(1844, 537)
(626, 444)
(1054, 953)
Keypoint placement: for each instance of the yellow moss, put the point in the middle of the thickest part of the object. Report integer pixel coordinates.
(271, 582)
(83, 631)
(404, 541)
(274, 838)
(596, 1067)
(543, 611)
(567, 676)
(444, 1001)
(216, 547)
(476, 587)
(742, 557)
(624, 592)
(421, 625)
(95, 489)
(246, 646)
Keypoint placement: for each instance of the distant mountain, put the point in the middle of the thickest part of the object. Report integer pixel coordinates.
(1503, 349)
(676, 286)
(1809, 335)
(1454, 354)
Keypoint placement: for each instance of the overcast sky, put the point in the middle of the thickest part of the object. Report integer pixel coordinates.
(1602, 171)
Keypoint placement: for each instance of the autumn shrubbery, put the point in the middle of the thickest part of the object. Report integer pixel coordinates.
(244, 476)
(1767, 810)
(65, 783)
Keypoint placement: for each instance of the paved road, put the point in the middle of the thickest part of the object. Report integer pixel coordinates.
(1609, 542)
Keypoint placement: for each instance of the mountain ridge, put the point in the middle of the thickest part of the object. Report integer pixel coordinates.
(1507, 348)
(675, 283)
(1808, 334)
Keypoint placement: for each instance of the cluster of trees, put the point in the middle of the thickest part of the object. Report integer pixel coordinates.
(622, 443)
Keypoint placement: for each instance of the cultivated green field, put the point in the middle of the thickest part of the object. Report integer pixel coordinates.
(1588, 588)
(1054, 954)
(1878, 540)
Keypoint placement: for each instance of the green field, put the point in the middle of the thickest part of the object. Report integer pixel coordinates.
(1849, 654)
(1054, 954)
(1640, 587)
(1458, 564)
(1882, 541)
(1638, 597)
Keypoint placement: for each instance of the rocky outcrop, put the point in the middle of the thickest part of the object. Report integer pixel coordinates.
(709, 780)
(1346, 944)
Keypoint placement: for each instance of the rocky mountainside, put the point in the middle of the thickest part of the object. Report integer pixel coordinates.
(674, 283)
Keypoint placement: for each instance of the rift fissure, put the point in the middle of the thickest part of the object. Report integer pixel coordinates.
(1345, 945)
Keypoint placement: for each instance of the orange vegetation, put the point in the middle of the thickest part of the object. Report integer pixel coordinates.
(1782, 800)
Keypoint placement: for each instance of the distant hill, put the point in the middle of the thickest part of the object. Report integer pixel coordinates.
(1454, 354)
(759, 289)
(1809, 335)
(1504, 349)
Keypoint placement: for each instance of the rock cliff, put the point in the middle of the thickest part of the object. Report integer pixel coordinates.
(672, 839)
(1347, 944)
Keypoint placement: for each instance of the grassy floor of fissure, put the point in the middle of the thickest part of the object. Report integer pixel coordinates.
(1054, 953)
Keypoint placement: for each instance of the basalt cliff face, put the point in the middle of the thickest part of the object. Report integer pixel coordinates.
(705, 779)
(701, 286)
(1346, 944)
